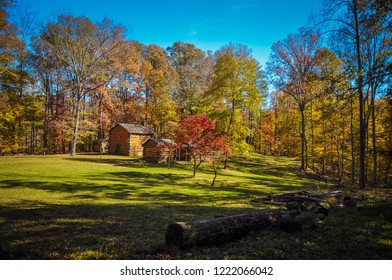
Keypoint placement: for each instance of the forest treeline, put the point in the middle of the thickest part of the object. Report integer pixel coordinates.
(324, 95)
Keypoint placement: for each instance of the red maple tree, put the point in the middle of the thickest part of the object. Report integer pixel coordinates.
(203, 141)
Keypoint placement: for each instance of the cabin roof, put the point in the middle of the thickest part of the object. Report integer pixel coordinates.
(191, 144)
(161, 141)
(136, 129)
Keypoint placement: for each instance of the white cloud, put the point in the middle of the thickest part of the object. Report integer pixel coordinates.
(192, 32)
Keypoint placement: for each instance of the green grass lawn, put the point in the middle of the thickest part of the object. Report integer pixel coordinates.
(113, 207)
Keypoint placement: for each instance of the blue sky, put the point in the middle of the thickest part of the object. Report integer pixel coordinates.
(208, 24)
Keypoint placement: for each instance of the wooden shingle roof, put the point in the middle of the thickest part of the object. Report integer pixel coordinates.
(165, 142)
(136, 129)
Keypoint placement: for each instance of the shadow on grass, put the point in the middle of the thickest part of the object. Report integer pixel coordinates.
(130, 187)
(281, 174)
(124, 214)
(87, 231)
(112, 160)
(92, 231)
(140, 183)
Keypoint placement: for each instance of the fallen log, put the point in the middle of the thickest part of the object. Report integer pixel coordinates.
(290, 224)
(349, 202)
(188, 234)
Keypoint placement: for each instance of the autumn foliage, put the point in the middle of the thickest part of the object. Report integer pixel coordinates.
(64, 86)
(203, 141)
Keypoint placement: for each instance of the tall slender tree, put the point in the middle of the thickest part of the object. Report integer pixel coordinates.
(85, 52)
(292, 69)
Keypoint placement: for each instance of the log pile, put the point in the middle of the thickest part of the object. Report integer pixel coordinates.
(300, 197)
(303, 201)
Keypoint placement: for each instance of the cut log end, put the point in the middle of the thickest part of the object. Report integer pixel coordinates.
(174, 235)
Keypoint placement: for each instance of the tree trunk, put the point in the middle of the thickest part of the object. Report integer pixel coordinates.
(215, 173)
(304, 145)
(312, 151)
(339, 171)
(76, 128)
(343, 147)
(352, 144)
(374, 143)
(362, 127)
(194, 165)
(48, 106)
(275, 130)
(324, 147)
(187, 234)
(101, 133)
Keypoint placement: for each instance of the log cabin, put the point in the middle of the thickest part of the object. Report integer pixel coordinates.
(128, 139)
(101, 146)
(159, 150)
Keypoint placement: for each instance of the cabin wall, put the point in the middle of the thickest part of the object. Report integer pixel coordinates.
(122, 143)
(119, 141)
(136, 144)
(101, 146)
(151, 152)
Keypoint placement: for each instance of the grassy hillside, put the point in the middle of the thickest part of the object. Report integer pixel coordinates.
(111, 207)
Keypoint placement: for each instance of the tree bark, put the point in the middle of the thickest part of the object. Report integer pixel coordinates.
(304, 146)
(362, 127)
(76, 123)
(48, 106)
(75, 131)
(215, 174)
(374, 141)
(312, 151)
(204, 232)
(194, 165)
(352, 144)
